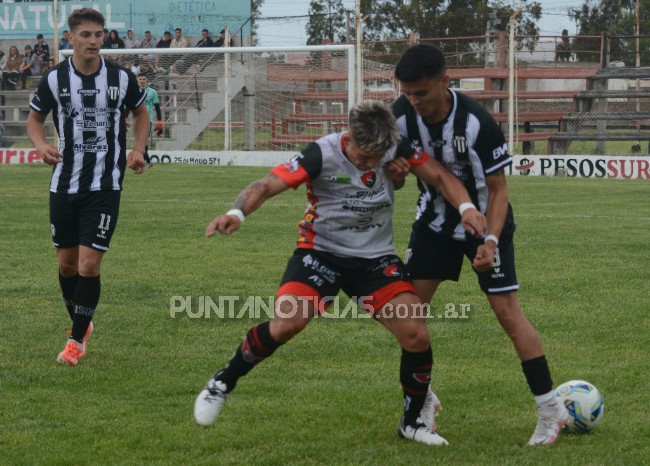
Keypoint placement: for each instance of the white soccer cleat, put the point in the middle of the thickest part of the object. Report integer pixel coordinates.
(209, 402)
(548, 427)
(419, 432)
(430, 410)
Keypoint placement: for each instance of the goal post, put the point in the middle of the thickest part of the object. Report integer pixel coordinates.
(253, 98)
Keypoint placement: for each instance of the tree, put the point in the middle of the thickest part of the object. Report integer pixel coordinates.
(387, 20)
(327, 21)
(616, 18)
(255, 12)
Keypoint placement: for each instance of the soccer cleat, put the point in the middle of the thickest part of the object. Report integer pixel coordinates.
(430, 410)
(209, 402)
(89, 330)
(420, 433)
(548, 427)
(70, 354)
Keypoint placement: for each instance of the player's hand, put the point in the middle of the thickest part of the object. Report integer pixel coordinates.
(484, 259)
(397, 170)
(159, 127)
(135, 161)
(50, 154)
(474, 223)
(224, 224)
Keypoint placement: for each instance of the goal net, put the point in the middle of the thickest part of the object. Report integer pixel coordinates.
(254, 98)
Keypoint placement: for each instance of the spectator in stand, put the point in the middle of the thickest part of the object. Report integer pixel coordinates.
(114, 41)
(41, 49)
(205, 40)
(105, 37)
(148, 42)
(163, 43)
(11, 74)
(222, 40)
(31, 65)
(131, 41)
(179, 42)
(64, 43)
(50, 63)
(3, 61)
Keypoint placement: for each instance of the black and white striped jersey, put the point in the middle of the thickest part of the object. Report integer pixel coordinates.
(487, 153)
(88, 115)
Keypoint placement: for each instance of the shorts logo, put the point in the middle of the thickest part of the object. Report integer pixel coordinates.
(53, 228)
(369, 178)
(392, 271)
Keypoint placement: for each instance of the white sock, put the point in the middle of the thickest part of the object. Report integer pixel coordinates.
(546, 403)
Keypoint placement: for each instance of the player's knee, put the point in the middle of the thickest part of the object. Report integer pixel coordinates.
(68, 269)
(416, 338)
(283, 329)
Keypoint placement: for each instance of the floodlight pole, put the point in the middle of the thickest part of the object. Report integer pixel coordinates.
(511, 81)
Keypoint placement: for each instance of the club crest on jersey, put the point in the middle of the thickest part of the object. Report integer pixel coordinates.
(369, 178)
(292, 163)
(113, 92)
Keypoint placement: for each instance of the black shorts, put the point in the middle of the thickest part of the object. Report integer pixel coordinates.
(87, 219)
(370, 282)
(434, 257)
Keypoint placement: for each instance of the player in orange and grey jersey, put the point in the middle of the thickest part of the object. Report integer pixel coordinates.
(346, 242)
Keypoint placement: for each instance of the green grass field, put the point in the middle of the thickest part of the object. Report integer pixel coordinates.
(332, 395)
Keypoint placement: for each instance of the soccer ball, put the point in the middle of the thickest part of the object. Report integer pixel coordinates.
(584, 404)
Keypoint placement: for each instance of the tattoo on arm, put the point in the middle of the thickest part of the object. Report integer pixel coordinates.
(255, 194)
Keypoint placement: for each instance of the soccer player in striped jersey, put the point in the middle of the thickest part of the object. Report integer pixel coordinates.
(346, 242)
(468, 142)
(87, 96)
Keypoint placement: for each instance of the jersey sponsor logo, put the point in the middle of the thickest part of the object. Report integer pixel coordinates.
(69, 111)
(340, 179)
(363, 224)
(367, 195)
(64, 92)
(87, 92)
(500, 151)
(365, 209)
(369, 178)
(92, 145)
(89, 124)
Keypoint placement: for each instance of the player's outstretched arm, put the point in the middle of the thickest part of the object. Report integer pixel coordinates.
(248, 201)
(453, 190)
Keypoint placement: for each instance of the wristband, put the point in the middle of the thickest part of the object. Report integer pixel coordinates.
(464, 206)
(491, 238)
(237, 213)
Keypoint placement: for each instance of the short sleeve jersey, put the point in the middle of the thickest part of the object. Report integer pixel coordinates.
(487, 154)
(88, 114)
(349, 211)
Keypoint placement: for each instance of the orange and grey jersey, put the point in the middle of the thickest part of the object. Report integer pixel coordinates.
(349, 211)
